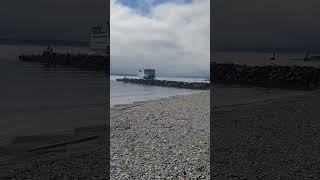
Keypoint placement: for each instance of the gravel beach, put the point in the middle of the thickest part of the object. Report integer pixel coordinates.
(271, 138)
(277, 139)
(86, 160)
(149, 140)
(162, 139)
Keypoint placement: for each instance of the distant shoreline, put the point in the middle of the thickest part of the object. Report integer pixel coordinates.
(45, 42)
(266, 50)
(189, 77)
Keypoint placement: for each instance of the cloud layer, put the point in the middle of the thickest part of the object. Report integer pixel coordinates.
(51, 19)
(173, 38)
(266, 24)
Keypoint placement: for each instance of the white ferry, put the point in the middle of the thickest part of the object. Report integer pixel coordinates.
(100, 39)
(147, 73)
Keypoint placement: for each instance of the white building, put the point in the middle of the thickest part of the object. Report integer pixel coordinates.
(147, 73)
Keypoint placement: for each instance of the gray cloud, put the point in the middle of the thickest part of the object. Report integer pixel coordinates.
(50, 19)
(174, 39)
(266, 24)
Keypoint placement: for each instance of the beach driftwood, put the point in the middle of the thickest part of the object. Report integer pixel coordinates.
(63, 143)
(128, 107)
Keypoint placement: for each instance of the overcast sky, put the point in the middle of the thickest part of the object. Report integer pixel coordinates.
(171, 36)
(169, 33)
(50, 19)
(238, 24)
(266, 24)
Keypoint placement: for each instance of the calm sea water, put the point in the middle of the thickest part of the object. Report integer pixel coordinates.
(36, 99)
(124, 93)
(262, 58)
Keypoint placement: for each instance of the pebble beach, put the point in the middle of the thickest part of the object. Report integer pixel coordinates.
(274, 139)
(162, 139)
(167, 138)
(270, 138)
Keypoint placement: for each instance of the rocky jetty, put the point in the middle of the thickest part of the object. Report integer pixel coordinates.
(165, 83)
(84, 61)
(270, 76)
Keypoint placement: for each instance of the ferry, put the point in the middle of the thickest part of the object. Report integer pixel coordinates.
(100, 39)
(147, 73)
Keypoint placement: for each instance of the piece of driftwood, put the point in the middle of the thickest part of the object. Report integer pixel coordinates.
(63, 143)
(128, 107)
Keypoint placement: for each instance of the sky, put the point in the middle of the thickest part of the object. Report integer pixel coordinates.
(170, 36)
(143, 7)
(245, 24)
(50, 19)
(173, 33)
(266, 24)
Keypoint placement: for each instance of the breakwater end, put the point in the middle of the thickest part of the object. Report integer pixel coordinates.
(165, 83)
(83, 61)
(269, 76)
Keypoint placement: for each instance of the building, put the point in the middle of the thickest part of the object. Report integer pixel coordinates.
(147, 73)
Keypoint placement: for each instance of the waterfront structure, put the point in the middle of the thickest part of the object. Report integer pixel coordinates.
(147, 73)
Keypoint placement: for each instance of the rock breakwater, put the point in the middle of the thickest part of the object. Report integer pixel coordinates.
(165, 83)
(270, 76)
(83, 61)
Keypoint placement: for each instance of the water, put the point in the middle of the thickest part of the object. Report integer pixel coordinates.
(41, 100)
(125, 93)
(262, 58)
(36, 99)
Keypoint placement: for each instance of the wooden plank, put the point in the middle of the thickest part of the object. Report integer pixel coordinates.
(128, 107)
(63, 143)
